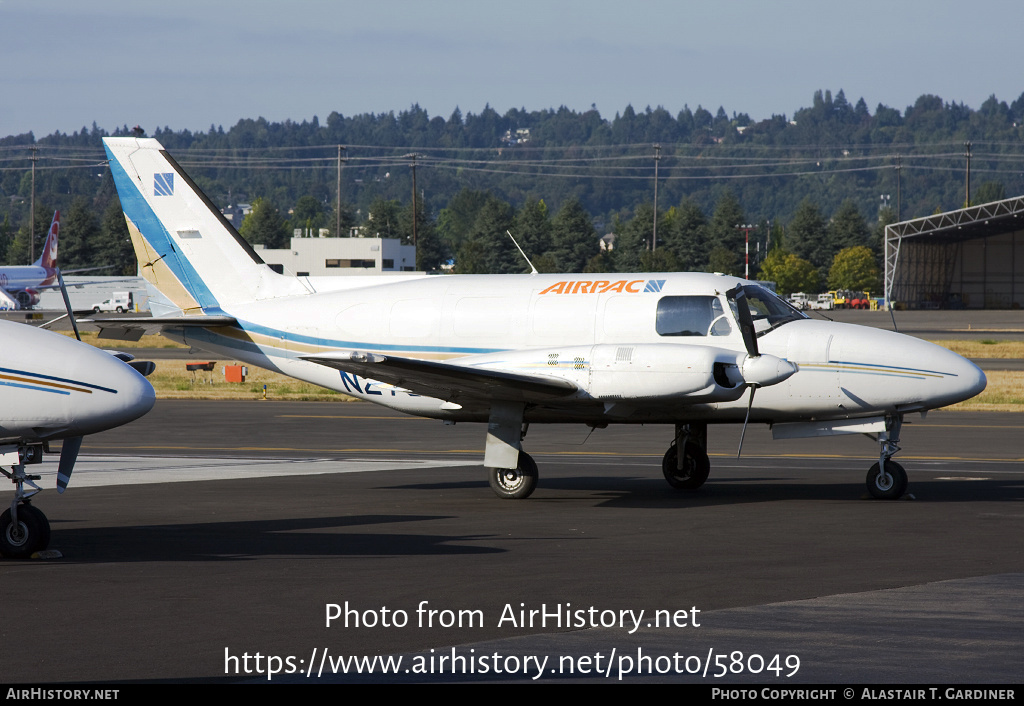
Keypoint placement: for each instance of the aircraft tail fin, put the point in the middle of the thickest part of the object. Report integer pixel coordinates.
(185, 246)
(48, 257)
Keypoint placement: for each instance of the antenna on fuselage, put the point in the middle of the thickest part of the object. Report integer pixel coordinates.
(532, 268)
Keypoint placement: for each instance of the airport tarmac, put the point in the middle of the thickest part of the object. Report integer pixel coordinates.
(207, 531)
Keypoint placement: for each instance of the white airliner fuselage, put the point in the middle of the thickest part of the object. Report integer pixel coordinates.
(20, 284)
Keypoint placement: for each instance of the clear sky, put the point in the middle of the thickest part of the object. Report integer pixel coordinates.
(193, 63)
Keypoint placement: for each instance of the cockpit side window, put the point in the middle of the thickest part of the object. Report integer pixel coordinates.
(692, 316)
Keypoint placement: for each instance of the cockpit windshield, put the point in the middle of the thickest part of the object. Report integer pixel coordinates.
(768, 310)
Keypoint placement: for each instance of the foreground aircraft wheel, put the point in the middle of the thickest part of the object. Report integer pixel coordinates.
(889, 485)
(696, 467)
(515, 483)
(31, 533)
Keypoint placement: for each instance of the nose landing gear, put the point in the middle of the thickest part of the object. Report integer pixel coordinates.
(887, 480)
(688, 469)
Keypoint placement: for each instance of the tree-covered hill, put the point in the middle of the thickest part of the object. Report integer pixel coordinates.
(834, 158)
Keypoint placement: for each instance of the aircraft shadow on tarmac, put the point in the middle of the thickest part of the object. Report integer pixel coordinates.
(642, 492)
(241, 541)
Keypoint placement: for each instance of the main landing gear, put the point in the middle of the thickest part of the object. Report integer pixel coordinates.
(515, 483)
(24, 529)
(687, 470)
(887, 480)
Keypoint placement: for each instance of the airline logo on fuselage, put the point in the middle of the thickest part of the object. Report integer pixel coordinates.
(584, 286)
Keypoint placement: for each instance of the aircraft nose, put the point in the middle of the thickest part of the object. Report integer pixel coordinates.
(136, 396)
(969, 379)
(126, 396)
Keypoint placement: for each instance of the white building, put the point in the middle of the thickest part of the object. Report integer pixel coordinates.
(313, 257)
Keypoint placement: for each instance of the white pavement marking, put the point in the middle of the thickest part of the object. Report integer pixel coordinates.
(95, 471)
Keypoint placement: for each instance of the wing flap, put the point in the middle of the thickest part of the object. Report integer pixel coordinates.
(447, 381)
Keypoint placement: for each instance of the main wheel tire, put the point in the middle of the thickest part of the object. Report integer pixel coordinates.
(696, 467)
(890, 485)
(29, 535)
(515, 483)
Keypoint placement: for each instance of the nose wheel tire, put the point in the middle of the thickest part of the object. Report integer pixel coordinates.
(22, 539)
(890, 485)
(696, 466)
(515, 483)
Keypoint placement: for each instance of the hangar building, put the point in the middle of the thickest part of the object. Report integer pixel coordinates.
(959, 259)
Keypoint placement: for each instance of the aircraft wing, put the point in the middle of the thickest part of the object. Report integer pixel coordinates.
(448, 381)
(126, 328)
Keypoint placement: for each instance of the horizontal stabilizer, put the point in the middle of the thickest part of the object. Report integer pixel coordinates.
(132, 329)
(448, 381)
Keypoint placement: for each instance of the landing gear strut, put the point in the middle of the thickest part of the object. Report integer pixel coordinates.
(512, 472)
(887, 480)
(24, 530)
(687, 470)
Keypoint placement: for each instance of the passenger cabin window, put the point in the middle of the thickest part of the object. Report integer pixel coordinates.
(692, 316)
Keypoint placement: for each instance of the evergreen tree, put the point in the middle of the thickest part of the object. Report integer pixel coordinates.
(308, 215)
(532, 228)
(848, 228)
(807, 235)
(633, 240)
(686, 237)
(574, 240)
(723, 230)
(383, 220)
(265, 226)
(489, 230)
(431, 251)
(6, 238)
(79, 233)
(114, 246)
(455, 221)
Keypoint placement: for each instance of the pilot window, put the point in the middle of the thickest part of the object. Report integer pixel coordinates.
(692, 316)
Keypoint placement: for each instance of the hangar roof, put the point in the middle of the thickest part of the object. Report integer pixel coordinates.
(965, 223)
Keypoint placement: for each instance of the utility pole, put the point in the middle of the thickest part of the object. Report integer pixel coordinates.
(968, 146)
(899, 171)
(654, 233)
(32, 211)
(746, 228)
(337, 211)
(413, 156)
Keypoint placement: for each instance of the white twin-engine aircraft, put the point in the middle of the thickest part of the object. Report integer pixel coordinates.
(52, 388)
(511, 350)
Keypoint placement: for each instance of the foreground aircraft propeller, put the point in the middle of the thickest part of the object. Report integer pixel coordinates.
(509, 351)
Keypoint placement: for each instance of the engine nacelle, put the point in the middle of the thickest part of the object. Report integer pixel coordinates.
(698, 373)
(27, 298)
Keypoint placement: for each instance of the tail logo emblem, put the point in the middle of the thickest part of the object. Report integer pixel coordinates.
(163, 184)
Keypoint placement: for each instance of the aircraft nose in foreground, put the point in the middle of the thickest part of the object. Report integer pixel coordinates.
(133, 398)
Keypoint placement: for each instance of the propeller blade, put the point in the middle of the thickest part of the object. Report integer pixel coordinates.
(746, 321)
(68, 455)
(67, 305)
(743, 433)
